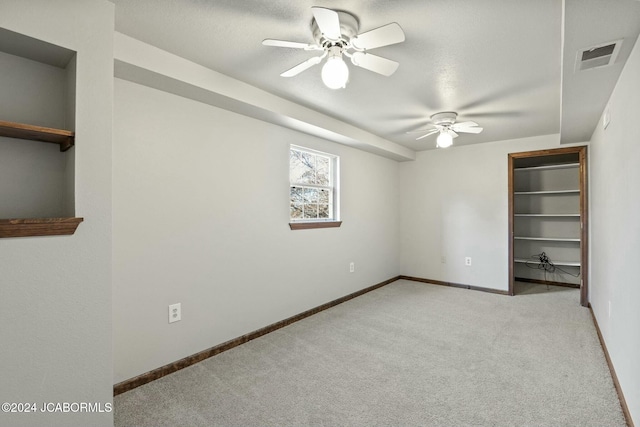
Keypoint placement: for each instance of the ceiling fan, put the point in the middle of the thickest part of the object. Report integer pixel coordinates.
(336, 34)
(445, 124)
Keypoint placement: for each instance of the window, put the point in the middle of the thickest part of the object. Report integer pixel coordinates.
(313, 189)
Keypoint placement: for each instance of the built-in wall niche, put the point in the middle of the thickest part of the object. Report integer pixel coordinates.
(37, 137)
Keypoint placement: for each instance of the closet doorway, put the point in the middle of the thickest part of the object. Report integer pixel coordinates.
(548, 218)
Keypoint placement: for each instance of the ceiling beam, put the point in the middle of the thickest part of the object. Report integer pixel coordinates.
(142, 63)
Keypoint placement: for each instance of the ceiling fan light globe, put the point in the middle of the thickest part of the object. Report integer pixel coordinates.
(335, 73)
(444, 140)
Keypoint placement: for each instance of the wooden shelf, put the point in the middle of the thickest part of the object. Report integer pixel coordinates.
(560, 263)
(65, 138)
(533, 193)
(550, 239)
(27, 227)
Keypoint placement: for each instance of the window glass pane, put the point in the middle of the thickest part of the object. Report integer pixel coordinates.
(296, 195)
(296, 210)
(311, 210)
(302, 167)
(323, 196)
(323, 176)
(311, 195)
(323, 211)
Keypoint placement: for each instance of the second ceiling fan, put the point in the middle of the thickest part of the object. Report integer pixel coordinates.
(336, 34)
(446, 126)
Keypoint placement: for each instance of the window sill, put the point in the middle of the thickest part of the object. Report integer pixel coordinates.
(310, 225)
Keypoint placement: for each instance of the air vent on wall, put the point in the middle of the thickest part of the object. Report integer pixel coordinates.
(597, 56)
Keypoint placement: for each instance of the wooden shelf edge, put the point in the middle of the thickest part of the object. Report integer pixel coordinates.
(65, 138)
(30, 227)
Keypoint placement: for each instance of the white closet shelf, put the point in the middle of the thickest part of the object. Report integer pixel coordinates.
(546, 167)
(550, 239)
(532, 193)
(574, 215)
(560, 263)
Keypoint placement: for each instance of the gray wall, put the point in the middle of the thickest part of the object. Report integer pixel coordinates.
(201, 218)
(56, 291)
(615, 230)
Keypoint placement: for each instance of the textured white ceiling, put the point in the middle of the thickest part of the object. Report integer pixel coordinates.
(497, 62)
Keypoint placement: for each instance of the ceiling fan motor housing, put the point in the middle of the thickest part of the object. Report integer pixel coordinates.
(446, 118)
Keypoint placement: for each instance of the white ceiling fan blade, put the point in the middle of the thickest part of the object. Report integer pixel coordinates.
(469, 130)
(429, 129)
(382, 36)
(374, 63)
(291, 45)
(328, 22)
(466, 127)
(462, 125)
(427, 134)
(302, 66)
(452, 133)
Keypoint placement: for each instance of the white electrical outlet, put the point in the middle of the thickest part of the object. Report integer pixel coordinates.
(467, 260)
(443, 260)
(352, 267)
(175, 313)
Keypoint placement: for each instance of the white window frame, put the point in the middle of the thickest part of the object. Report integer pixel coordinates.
(333, 187)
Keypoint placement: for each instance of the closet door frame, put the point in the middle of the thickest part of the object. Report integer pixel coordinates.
(584, 213)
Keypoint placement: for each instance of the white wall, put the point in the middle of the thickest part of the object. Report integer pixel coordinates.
(454, 204)
(615, 230)
(37, 92)
(201, 218)
(56, 291)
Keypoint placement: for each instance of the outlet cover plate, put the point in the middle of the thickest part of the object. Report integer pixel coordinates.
(175, 313)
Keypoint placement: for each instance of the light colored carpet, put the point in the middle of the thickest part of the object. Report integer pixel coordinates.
(407, 354)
